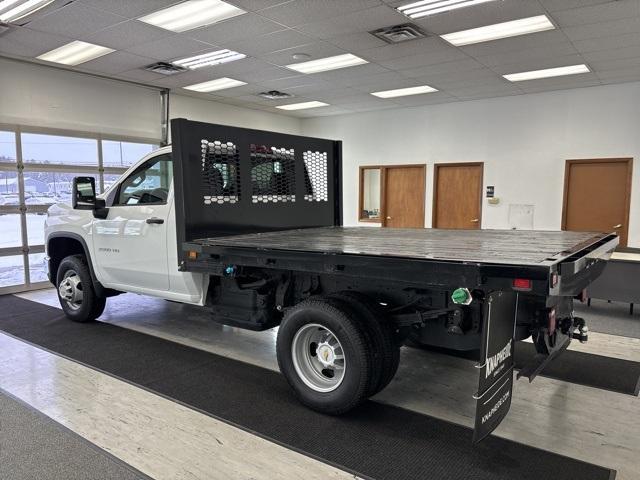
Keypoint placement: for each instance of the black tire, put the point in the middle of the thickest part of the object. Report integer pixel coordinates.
(92, 305)
(382, 332)
(336, 316)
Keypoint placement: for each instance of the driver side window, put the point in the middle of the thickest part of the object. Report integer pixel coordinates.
(148, 184)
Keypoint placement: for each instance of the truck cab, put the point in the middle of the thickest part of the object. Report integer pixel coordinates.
(130, 246)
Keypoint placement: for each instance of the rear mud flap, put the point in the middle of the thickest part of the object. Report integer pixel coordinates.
(495, 384)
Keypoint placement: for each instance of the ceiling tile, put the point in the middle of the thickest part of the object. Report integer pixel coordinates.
(255, 5)
(475, 90)
(349, 76)
(425, 99)
(267, 74)
(608, 43)
(172, 47)
(559, 83)
(529, 55)
(548, 39)
(614, 10)
(603, 29)
(24, 42)
(630, 74)
(127, 35)
(314, 50)
(302, 11)
(75, 20)
(247, 26)
(558, 5)
(361, 21)
(542, 63)
(430, 45)
(130, 8)
(613, 54)
(356, 42)
(140, 75)
(116, 62)
(428, 58)
(452, 68)
(271, 42)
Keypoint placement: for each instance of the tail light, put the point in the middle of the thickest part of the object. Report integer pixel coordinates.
(523, 284)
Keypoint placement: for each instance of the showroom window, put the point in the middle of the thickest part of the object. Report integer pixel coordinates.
(37, 168)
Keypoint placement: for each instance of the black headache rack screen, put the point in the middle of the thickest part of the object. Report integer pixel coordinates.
(231, 180)
(495, 384)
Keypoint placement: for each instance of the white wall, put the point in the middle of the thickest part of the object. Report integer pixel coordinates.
(203, 110)
(523, 140)
(41, 96)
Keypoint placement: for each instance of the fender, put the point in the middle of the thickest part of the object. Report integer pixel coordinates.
(98, 287)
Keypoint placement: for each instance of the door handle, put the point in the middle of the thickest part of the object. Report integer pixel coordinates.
(155, 220)
(388, 218)
(618, 226)
(475, 220)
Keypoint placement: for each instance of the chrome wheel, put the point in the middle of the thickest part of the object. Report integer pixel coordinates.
(318, 358)
(70, 289)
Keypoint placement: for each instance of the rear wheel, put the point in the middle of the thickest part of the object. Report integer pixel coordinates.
(324, 354)
(75, 290)
(381, 332)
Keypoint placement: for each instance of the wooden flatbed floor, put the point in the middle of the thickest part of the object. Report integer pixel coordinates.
(511, 247)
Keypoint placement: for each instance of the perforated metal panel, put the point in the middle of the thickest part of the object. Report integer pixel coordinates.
(220, 172)
(273, 174)
(317, 189)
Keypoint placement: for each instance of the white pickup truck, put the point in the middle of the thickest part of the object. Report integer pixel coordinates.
(248, 224)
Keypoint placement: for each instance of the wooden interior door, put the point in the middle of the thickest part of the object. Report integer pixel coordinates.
(457, 195)
(404, 193)
(597, 194)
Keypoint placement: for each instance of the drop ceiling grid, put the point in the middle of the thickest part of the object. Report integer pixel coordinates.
(602, 33)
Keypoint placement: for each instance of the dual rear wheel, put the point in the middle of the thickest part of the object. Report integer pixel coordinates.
(336, 351)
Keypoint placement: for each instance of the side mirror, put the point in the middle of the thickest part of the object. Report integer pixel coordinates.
(84, 193)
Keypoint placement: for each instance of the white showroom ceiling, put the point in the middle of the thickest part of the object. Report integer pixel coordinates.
(269, 35)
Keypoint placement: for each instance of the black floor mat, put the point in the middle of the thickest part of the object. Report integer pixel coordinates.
(615, 374)
(375, 441)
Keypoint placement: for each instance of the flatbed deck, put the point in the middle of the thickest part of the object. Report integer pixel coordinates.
(503, 247)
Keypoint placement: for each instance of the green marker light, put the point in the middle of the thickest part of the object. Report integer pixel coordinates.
(461, 296)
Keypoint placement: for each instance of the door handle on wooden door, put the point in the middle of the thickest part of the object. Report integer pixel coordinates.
(475, 220)
(618, 226)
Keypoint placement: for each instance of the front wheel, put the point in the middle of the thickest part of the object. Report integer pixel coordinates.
(75, 290)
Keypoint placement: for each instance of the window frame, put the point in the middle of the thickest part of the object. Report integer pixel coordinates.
(362, 169)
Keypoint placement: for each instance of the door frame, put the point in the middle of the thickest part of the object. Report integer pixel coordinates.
(383, 190)
(628, 183)
(436, 168)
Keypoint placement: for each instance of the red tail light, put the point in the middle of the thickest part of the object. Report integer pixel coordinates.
(522, 284)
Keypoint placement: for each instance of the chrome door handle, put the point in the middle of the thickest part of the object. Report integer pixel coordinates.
(388, 218)
(618, 226)
(155, 220)
(475, 220)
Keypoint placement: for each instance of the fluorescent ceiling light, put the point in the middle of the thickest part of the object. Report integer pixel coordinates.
(208, 59)
(12, 10)
(514, 28)
(546, 73)
(75, 53)
(213, 85)
(401, 92)
(431, 7)
(328, 63)
(303, 105)
(191, 14)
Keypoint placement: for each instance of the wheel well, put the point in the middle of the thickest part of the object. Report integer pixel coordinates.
(60, 247)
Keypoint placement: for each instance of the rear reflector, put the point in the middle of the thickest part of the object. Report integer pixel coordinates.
(192, 255)
(552, 320)
(522, 284)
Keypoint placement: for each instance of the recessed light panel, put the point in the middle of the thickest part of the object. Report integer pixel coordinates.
(431, 7)
(546, 73)
(208, 59)
(303, 105)
(75, 53)
(12, 10)
(192, 14)
(401, 92)
(328, 63)
(513, 28)
(213, 85)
